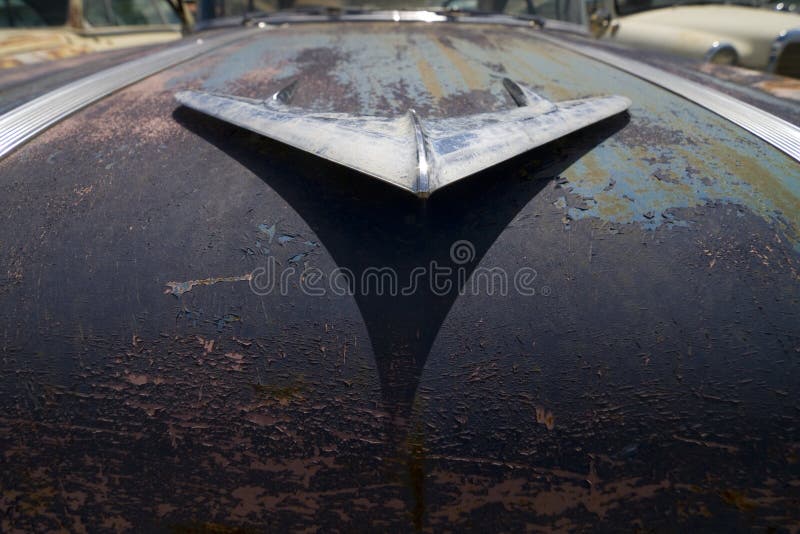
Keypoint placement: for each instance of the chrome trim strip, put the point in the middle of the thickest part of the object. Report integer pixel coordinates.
(398, 16)
(106, 31)
(505, 19)
(779, 133)
(28, 120)
(423, 185)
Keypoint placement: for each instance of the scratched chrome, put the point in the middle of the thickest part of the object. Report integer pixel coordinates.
(409, 16)
(21, 124)
(423, 174)
(457, 147)
(777, 132)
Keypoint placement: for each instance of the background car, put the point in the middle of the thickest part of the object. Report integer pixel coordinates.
(716, 32)
(32, 31)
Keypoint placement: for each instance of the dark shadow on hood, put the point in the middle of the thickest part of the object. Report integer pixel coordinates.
(369, 226)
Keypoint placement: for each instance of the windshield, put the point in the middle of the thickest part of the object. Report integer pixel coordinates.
(128, 12)
(96, 13)
(32, 13)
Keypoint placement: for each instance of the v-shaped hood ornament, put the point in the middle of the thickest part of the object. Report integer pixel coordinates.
(416, 154)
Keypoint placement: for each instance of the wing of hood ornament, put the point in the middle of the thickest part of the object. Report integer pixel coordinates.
(418, 155)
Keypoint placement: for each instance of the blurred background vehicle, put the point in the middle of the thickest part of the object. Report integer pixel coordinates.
(719, 32)
(791, 6)
(32, 31)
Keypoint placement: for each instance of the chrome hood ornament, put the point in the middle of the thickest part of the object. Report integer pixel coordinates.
(415, 154)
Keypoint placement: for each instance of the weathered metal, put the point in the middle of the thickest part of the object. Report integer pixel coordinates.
(650, 382)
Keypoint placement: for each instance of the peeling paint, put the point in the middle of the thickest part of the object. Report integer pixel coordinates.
(179, 288)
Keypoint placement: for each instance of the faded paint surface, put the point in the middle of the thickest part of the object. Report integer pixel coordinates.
(651, 382)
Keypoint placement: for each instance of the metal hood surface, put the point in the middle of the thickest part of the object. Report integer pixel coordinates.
(638, 369)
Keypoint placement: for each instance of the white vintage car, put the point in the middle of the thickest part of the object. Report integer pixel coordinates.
(721, 33)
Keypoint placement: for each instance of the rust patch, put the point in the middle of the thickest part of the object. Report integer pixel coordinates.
(783, 88)
(472, 78)
(429, 77)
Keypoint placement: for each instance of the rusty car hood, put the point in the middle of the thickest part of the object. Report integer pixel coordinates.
(23, 83)
(646, 375)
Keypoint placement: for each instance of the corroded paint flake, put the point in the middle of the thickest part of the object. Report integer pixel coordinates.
(179, 288)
